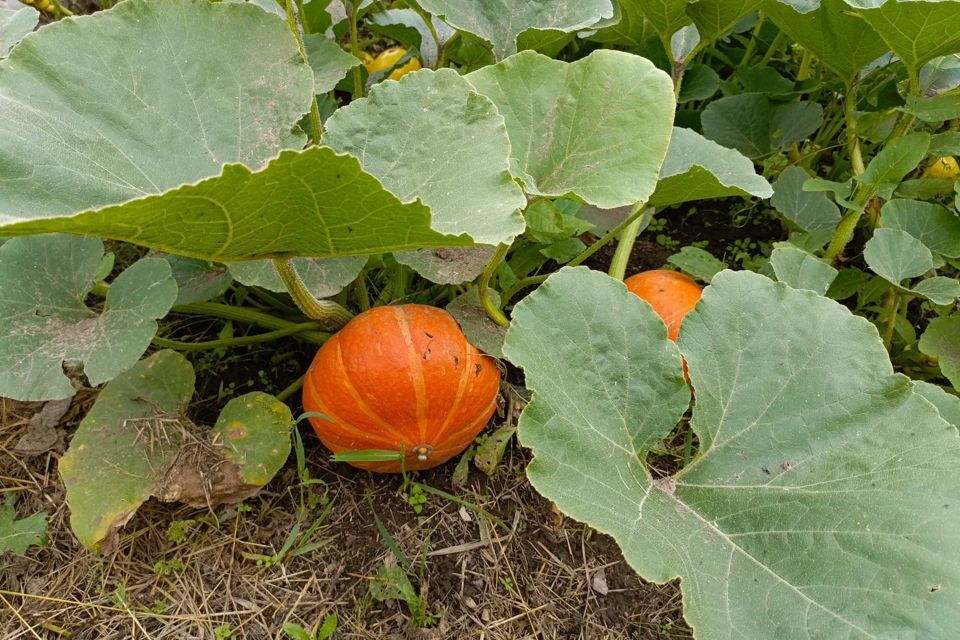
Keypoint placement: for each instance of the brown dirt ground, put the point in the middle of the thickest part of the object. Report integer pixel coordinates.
(541, 579)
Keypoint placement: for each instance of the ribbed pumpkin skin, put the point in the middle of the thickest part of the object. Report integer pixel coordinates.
(671, 294)
(401, 375)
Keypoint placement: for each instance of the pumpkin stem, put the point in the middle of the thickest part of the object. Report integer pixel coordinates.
(422, 451)
(492, 309)
(327, 313)
(618, 266)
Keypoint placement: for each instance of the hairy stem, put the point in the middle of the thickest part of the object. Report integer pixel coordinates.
(327, 313)
(853, 141)
(492, 309)
(618, 267)
(303, 327)
(891, 303)
(352, 10)
(316, 128)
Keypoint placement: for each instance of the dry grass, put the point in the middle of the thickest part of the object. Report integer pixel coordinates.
(540, 579)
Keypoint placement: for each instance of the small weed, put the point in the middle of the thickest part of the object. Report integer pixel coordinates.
(321, 632)
(416, 498)
(224, 632)
(165, 568)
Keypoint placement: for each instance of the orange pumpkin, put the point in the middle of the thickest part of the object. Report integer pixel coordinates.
(401, 378)
(671, 294)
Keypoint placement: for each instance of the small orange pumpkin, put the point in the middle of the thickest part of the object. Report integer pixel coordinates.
(671, 294)
(401, 377)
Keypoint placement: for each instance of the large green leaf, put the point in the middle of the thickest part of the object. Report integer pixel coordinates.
(140, 99)
(715, 17)
(809, 210)
(941, 340)
(935, 226)
(500, 22)
(430, 136)
(45, 322)
(821, 503)
(137, 441)
(329, 62)
(14, 24)
(896, 255)
(756, 126)
(697, 168)
(627, 27)
(838, 39)
(800, 269)
(895, 161)
(666, 16)
(597, 128)
(314, 203)
(916, 30)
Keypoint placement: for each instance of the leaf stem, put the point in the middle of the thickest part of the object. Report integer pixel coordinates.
(316, 128)
(844, 232)
(891, 305)
(580, 259)
(240, 341)
(327, 313)
(352, 10)
(618, 266)
(850, 115)
(245, 316)
(492, 309)
(291, 389)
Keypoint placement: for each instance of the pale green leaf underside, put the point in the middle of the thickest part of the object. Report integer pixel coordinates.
(501, 21)
(941, 340)
(597, 128)
(450, 265)
(823, 502)
(697, 168)
(947, 404)
(481, 331)
(430, 136)
(697, 262)
(324, 277)
(801, 270)
(44, 320)
(896, 255)
(315, 203)
(151, 95)
(14, 24)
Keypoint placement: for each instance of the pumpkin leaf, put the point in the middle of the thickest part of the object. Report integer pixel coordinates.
(666, 16)
(329, 62)
(137, 440)
(896, 255)
(329, 207)
(916, 30)
(451, 151)
(481, 331)
(400, 24)
(715, 17)
(947, 404)
(14, 24)
(756, 126)
(800, 269)
(198, 280)
(696, 168)
(809, 210)
(793, 518)
(697, 262)
(324, 277)
(500, 22)
(941, 340)
(838, 39)
(45, 322)
(935, 226)
(933, 109)
(895, 161)
(452, 265)
(597, 128)
(179, 93)
(17, 536)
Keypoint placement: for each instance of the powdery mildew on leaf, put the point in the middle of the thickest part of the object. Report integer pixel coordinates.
(823, 500)
(45, 323)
